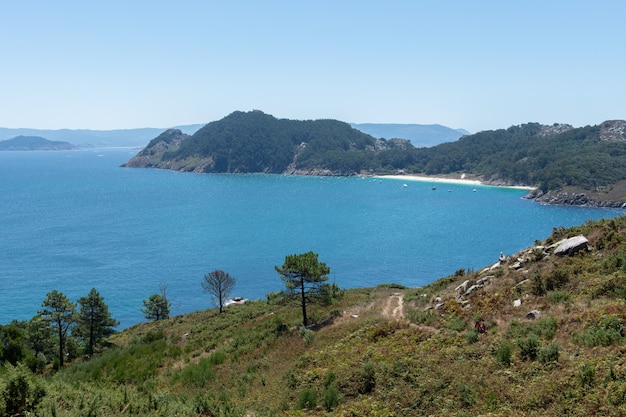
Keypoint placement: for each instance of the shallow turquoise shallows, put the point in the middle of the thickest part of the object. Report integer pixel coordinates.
(75, 220)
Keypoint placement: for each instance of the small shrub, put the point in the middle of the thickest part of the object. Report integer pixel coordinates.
(331, 397)
(21, 392)
(586, 374)
(392, 286)
(607, 332)
(556, 279)
(549, 354)
(428, 317)
(504, 353)
(196, 375)
(307, 335)
(546, 328)
(329, 378)
(529, 348)
(537, 285)
(562, 297)
(466, 395)
(221, 405)
(471, 337)
(329, 293)
(280, 328)
(307, 400)
(290, 379)
(538, 254)
(153, 336)
(217, 358)
(367, 378)
(455, 322)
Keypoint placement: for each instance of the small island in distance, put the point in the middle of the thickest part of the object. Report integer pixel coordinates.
(34, 143)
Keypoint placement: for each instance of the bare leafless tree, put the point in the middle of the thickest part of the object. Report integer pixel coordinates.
(219, 284)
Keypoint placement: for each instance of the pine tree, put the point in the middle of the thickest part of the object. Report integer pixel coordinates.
(94, 320)
(305, 274)
(60, 313)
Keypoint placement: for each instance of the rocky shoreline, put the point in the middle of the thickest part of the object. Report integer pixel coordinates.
(571, 199)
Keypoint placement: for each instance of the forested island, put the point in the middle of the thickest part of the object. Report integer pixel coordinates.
(34, 143)
(567, 165)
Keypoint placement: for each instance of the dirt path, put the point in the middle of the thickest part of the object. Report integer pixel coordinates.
(394, 308)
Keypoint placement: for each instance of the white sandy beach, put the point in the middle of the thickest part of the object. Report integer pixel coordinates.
(447, 181)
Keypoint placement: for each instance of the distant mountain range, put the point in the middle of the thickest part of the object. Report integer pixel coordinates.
(419, 135)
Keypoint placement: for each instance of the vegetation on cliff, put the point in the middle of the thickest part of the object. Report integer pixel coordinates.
(535, 334)
(256, 142)
(548, 157)
(555, 158)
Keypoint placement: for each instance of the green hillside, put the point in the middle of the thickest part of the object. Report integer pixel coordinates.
(552, 158)
(553, 345)
(555, 159)
(255, 142)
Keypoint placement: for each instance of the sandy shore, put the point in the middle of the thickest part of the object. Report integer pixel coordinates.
(447, 181)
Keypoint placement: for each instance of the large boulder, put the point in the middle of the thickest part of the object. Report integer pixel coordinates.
(570, 246)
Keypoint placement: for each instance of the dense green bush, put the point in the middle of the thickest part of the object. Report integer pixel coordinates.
(543, 328)
(608, 331)
(549, 354)
(20, 391)
(456, 323)
(367, 377)
(586, 374)
(504, 353)
(331, 397)
(307, 400)
(427, 317)
(529, 348)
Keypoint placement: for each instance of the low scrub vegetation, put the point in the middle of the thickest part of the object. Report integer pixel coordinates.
(505, 349)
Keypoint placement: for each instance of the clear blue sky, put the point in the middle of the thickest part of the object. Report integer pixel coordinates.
(474, 64)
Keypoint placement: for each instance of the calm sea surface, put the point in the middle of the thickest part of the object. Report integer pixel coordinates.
(71, 221)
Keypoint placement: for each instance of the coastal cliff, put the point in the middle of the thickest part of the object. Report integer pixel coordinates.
(572, 199)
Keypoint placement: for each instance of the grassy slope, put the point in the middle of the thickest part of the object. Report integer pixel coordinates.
(252, 360)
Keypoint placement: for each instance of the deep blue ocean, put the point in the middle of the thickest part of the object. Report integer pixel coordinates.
(75, 220)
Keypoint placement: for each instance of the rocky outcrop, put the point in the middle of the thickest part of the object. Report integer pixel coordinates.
(555, 129)
(613, 130)
(569, 246)
(152, 155)
(571, 199)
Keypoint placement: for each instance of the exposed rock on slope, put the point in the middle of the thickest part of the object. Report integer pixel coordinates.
(152, 154)
(613, 130)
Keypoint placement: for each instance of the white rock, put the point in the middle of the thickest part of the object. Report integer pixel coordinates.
(473, 288)
(462, 287)
(570, 246)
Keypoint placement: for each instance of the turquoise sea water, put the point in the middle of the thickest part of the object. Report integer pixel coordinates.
(75, 220)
